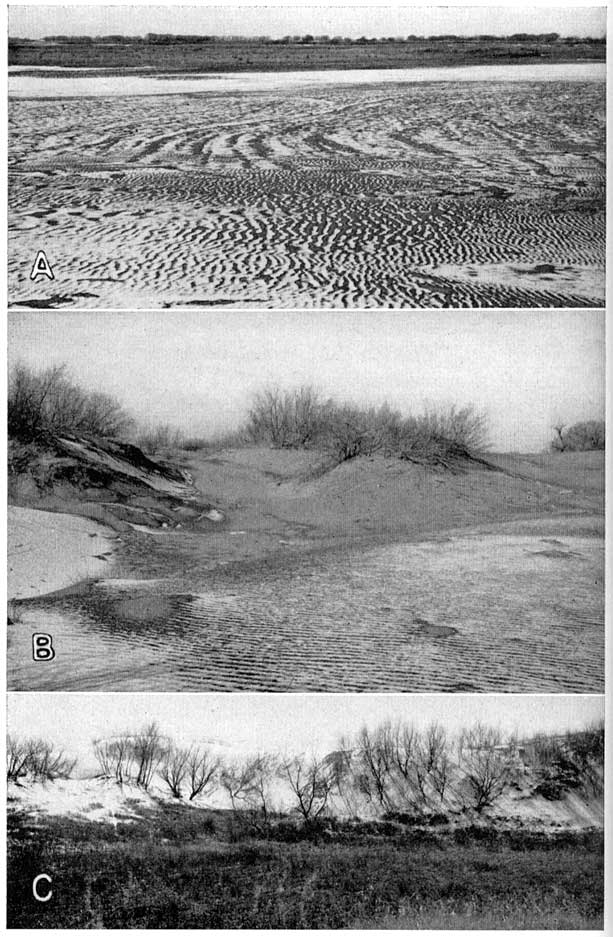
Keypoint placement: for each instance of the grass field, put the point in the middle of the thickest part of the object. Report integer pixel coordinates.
(225, 56)
(165, 873)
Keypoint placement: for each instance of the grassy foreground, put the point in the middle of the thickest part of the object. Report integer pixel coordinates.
(164, 875)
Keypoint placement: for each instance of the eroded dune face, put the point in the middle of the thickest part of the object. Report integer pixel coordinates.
(434, 194)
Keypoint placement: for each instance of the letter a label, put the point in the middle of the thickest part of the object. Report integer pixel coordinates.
(41, 267)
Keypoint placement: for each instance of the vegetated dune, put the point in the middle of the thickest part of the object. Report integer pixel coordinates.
(102, 800)
(427, 195)
(126, 859)
(376, 574)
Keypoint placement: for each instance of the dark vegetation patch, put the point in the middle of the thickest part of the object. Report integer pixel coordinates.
(168, 53)
(103, 878)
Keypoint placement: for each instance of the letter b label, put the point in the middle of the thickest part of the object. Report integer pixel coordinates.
(42, 647)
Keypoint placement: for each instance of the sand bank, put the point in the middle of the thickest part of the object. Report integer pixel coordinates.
(48, 551)
(28, 86)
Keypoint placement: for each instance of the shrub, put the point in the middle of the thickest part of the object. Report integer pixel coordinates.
(161, 438)
(286, 419)
(581, 437)
(36, 758)
(46, 403)
(300, 419)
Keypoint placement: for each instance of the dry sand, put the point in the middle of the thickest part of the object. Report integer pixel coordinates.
(47, 552)
(433, 194)
(105, 801)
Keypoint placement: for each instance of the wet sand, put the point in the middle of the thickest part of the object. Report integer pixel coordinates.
(376, 576)
(501, 612)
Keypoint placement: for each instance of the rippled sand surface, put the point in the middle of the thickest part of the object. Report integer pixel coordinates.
(516, 612)
(424, 194)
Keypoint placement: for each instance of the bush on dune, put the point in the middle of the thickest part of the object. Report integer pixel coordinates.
(47, 403)
(581, 437)
(37, 759)
(300, 419)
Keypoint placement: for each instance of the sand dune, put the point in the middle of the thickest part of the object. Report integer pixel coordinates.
(425, 195)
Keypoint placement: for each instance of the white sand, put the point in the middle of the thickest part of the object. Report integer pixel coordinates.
(21, 85)
(48, 551)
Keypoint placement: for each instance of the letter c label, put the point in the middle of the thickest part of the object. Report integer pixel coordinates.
(35, 888)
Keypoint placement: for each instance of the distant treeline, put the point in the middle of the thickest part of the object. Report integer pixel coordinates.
(172, 39)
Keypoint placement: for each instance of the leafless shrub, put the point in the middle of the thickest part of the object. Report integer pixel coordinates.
(397, 765)
(17, 752)
(284, 419)
(131, 757)
(46, 403)
(299, 419)
(173, 769)
(159, 439)
(352, 431)
(373, 765)
(581, 437)
(148, 753)
(116, 757)
(487, 762)
(248, 785)
(202, 772)
(37, 759)
(312, 780)
(46, 764)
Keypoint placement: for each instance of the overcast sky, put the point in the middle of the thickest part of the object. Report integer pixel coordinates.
(199, 370)
(281, 723)
(280, 18)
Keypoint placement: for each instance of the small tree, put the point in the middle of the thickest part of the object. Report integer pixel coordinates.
(173, 769)
(148, 752)
(46, 764)
(202, 772)
(37, 758)
(116, 757)
(17, 753)
(312, 781)
(487, 764)
(247, 784)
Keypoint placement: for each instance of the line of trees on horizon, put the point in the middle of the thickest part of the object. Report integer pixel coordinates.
(395, 768)
(307, 39)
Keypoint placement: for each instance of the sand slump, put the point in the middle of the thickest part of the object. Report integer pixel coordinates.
(508, 612)
(484, 194)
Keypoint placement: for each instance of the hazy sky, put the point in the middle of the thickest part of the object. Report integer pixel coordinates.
(282, 723)
(279, 19)
(199, 370)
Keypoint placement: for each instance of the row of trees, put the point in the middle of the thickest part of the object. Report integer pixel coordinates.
(395, 767)
(307, 39)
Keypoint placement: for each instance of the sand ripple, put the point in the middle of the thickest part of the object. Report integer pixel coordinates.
(489, 613)
(422, 195)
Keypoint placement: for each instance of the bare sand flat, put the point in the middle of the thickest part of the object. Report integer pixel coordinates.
(48, 551)
(428, 194)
